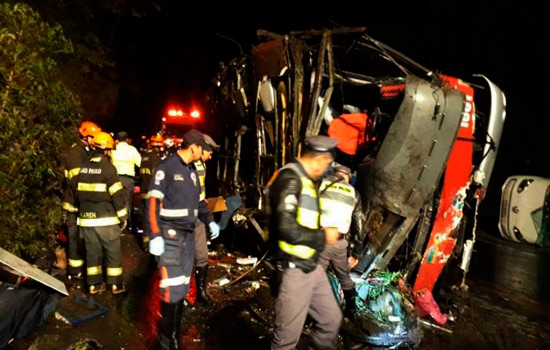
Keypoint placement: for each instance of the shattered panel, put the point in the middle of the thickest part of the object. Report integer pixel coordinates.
(413, 154)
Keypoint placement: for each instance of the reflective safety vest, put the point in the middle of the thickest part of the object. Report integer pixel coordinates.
(337, 201)
(307, 212)
(125, 158)
(201, 170)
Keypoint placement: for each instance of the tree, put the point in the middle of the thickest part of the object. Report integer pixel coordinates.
(38, 116)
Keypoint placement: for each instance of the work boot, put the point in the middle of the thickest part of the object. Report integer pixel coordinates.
(119, 288)
(170, 325)
(350, 309)
(200, 279)
(97, 288)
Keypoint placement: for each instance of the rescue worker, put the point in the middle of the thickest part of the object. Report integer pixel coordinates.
(170, 147)
(75, 158)
(174, 204)
(201, 242)
(293, 200)
(341, 208)
(149, 161)
(101, 208)
(126, 158)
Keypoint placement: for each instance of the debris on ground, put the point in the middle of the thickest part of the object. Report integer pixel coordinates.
(385, 313)
(78, 309)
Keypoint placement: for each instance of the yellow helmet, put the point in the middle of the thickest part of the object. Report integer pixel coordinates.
(89, 129)
(103, 141)
(156, 141)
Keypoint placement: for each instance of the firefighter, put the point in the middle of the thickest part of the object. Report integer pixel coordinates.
(341, 208)
(75, 158)
(101, 208)
(149, 161)
(201, 242)
(174, 204)
(293, 201)
(126, 158)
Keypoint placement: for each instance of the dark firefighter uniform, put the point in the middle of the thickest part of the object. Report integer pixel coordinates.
(74, 159)
(295, 230)
(176, 186)
(101, 205)
(341, 208)
(149, 161)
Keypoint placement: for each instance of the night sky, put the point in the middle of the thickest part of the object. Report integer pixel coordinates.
(172, 55)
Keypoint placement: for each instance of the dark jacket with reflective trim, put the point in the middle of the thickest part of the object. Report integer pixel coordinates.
(99, 196)
(284, 225)
(148, 163)
(74, 159)
(176, 186)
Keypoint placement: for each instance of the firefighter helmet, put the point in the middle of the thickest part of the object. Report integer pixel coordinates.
(156, 141)
(103, 141)
(89, 129)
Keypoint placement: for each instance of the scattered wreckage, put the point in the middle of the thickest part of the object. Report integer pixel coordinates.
(424, 151)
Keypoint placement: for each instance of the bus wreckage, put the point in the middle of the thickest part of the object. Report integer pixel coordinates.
(423, 156)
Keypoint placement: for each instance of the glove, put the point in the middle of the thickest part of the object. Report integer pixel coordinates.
(156, 246)
(214, 229)
(123, 224)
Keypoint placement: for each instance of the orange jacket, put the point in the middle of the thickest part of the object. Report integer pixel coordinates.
(349, 129)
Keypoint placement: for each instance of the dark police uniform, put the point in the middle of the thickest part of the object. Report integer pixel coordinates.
(75, 158)
(101, 205)
(149, 161)
(177, 186)
(293, 199)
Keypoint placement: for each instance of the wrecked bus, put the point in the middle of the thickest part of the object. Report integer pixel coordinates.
(423, 145)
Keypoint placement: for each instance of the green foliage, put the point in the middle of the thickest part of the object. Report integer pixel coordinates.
(38, 115)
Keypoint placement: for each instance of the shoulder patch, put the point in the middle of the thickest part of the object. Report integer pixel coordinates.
(95, 159)
(290, 201)
(159, 176)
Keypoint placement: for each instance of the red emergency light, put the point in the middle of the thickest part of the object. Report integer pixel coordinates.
(195, 113)
(175, 112)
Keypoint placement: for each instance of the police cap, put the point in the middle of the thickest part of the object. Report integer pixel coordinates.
(196, 137)
(210, 141)
(321, 143)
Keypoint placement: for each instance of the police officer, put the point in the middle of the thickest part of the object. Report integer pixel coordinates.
(126, 158)
(341, 209)
(75, 158)
(101, 208)
(293, 199)
(149, 161)
(201, 243)
(174, 204)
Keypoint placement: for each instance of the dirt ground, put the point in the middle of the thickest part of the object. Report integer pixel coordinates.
(487, 316)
